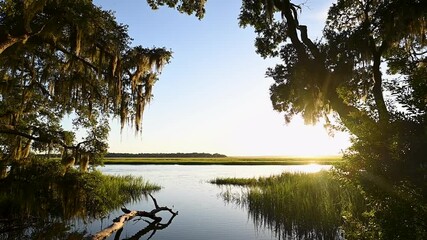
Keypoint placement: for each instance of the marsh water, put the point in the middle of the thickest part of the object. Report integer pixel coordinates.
(203, 213)
(68, 209)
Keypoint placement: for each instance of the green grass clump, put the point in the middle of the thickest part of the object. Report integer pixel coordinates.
(298, 205)
(235, 181)
(100, 193)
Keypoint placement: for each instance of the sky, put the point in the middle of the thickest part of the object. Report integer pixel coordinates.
(213, 97)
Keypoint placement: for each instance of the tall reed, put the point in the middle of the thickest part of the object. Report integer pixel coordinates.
(298, 205)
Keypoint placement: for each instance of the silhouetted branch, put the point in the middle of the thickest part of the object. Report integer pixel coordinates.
(153, 226)
(120, 221)
(155, 201)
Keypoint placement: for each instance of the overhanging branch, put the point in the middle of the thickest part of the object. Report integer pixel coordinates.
(11, 130)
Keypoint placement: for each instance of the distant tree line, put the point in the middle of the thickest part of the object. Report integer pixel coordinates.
(165, 155)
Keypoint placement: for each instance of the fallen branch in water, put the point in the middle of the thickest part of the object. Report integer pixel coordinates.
(120, 221)
(152, 226)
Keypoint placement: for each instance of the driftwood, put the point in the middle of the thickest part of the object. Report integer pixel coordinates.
(120, 221)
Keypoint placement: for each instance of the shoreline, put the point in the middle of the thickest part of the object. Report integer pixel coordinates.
(225, 161)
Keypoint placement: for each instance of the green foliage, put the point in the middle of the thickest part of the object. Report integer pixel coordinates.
(396, 154)
(183, 6)
(396, 202)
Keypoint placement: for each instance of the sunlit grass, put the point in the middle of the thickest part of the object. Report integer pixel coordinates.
(297, 205)
(236, 181)
(108, 191)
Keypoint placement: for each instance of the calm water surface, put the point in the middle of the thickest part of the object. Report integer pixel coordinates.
(202, 212)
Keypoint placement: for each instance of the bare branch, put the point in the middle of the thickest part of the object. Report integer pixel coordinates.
(120, 221)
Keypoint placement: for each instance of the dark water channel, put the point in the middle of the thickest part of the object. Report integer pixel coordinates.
(203, 214)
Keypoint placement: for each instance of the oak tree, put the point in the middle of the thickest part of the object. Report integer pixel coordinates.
(61, 58)
(368, 70)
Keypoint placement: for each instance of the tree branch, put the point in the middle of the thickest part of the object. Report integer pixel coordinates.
(307, 41)
(384, 115)
(84, 61)
(10, 41)
(120, 221)
(152, 226)
(11, 130)
(289, 12)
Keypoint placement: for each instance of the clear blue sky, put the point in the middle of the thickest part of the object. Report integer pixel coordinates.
(213, 96)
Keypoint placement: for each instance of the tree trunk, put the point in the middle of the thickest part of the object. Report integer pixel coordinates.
(84, 162)
(383, 114)
(3, 169)
(67, 162)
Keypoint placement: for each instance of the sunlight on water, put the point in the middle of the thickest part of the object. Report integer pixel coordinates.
(309, 168)
(312, 168)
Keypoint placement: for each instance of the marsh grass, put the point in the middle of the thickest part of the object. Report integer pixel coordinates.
(297, 205)
(235, 181)
(99, 193)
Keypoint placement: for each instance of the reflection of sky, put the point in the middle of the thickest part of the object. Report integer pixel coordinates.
(213, 96)
(202, 213)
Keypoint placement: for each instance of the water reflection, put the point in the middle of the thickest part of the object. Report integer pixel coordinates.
(34, 212)
(42, 208)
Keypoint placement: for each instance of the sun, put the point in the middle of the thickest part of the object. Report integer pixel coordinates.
(298, 139)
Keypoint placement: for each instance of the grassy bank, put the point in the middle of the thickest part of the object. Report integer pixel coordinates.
(228, 160)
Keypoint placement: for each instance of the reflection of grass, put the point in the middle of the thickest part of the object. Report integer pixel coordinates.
(38, 191)
(228, 160)
(98, 194)
(297, 205)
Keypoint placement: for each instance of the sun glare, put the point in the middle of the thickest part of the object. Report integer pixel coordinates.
(313, 168)
(309, 168)
(297, 139)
